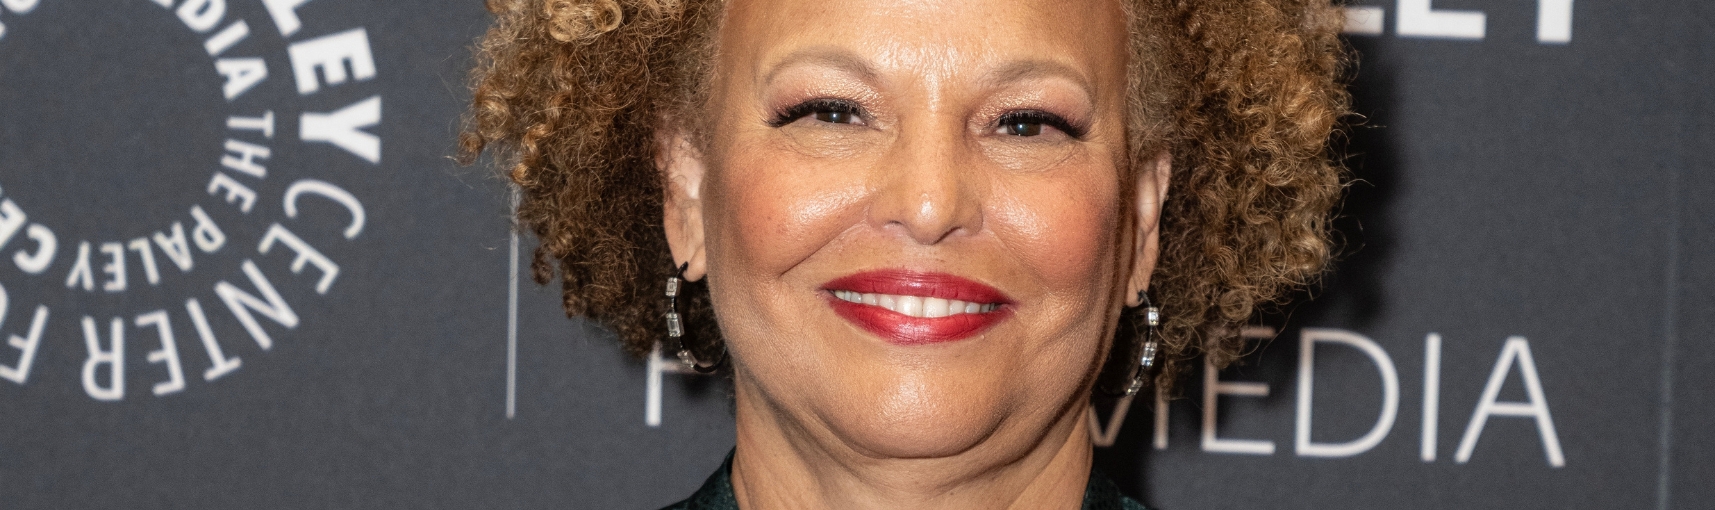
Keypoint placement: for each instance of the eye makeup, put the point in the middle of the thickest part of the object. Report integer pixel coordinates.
(830, 110)
(1030, 122)
(1025, 123)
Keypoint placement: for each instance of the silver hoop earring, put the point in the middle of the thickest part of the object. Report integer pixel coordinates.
(676, 325)
(1146, 358)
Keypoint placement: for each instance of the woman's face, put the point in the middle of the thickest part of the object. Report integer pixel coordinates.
(912, 218)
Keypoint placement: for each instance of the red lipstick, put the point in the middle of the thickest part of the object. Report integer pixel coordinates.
(903, 329)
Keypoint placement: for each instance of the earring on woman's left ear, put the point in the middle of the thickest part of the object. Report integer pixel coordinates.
(1146, 356)
(1148, 351)
(676, 325)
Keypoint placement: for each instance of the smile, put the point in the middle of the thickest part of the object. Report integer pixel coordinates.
(913, 308)
(916, 306)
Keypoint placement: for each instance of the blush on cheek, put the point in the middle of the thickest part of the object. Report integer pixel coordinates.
(1067, 239)
(773, 211)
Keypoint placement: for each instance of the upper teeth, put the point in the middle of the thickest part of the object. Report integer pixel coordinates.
(916, 306)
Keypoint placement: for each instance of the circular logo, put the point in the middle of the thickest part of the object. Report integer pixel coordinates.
(174, 185)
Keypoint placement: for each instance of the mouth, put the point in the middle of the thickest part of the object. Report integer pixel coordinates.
(913, 308)
(916, 306)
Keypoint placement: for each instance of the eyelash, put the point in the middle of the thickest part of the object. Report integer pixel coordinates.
(815, 106)
(1040, 117)
(843, 107)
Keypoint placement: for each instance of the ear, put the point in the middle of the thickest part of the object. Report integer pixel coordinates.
(682, 207)
(1146, 248)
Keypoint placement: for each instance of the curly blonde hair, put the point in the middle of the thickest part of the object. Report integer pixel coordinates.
(1244, 94)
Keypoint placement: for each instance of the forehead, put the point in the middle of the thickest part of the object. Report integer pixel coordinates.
(928, 39)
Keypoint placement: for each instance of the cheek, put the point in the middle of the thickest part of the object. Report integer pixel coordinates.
(769, 214)
(1064, 231)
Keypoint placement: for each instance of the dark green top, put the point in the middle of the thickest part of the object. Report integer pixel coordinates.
(716, 494)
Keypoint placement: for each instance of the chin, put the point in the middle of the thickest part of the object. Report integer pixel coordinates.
(916, 419)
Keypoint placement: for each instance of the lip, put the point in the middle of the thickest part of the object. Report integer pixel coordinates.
(901, 329)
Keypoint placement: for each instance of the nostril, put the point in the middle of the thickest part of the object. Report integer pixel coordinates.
(926, 196)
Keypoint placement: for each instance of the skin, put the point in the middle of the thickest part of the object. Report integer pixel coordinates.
(924, 177)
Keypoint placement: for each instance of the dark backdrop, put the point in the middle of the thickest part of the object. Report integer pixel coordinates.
(318, 309)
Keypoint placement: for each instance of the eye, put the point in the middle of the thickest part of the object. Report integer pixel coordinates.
(1024, 128)
(836, 117)
(1031, 122)
(832, 111)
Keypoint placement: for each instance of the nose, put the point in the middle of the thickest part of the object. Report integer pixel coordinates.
(928, 189)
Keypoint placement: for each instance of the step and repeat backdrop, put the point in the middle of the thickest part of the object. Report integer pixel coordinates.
(239, 270)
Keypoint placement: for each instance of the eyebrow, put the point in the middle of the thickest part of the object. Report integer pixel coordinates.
(822, 56)
(844, 60)
(1028, 69)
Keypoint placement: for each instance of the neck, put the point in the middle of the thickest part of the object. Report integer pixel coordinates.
(777, 465)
